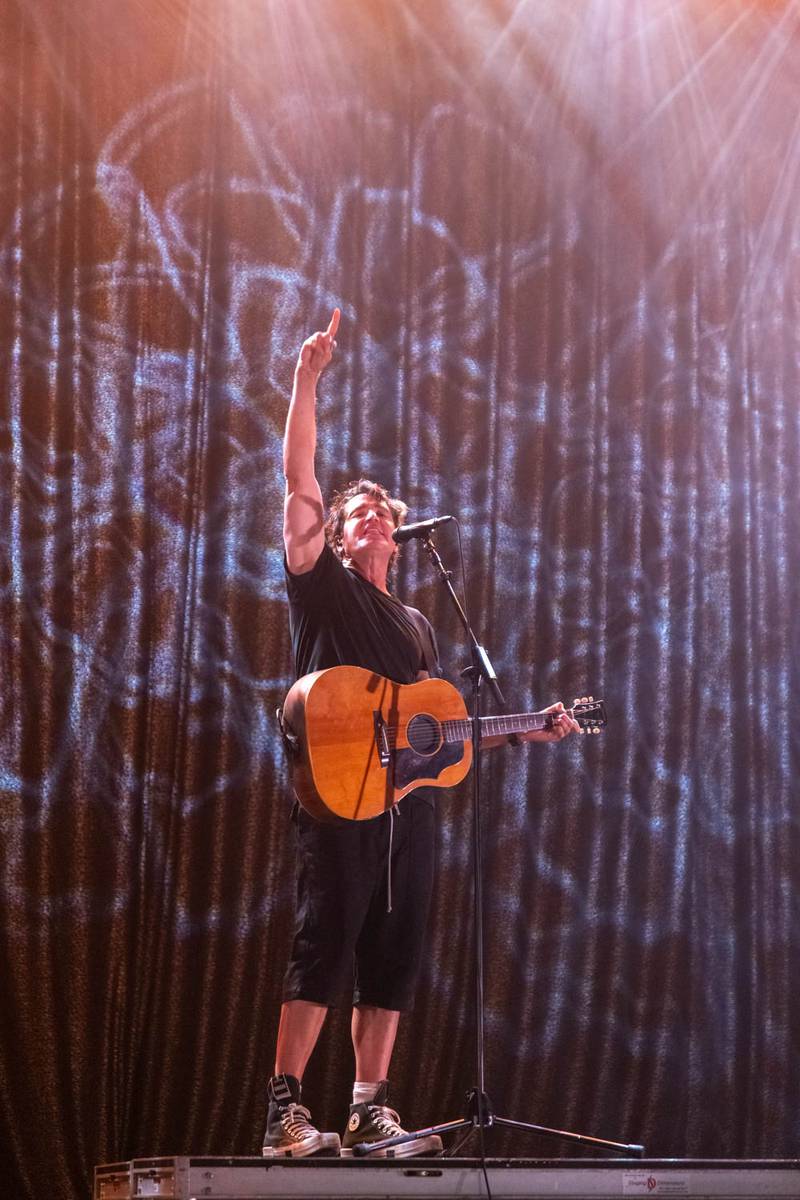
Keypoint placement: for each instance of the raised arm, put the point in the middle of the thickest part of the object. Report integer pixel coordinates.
(303, 511)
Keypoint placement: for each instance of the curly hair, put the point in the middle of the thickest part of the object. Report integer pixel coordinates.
(334, 522)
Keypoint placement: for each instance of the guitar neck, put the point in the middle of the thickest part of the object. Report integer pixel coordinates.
(461, 731)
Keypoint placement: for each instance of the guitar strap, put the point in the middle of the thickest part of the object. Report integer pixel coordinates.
(291, 743)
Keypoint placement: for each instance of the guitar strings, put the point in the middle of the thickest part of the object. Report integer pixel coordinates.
(463, 727)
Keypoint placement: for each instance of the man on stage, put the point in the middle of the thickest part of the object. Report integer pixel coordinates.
(363, 887)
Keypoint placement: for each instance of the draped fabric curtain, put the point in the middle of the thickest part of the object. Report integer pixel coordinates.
(564, 239)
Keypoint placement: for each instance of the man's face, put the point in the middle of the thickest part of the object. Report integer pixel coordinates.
(368, 528)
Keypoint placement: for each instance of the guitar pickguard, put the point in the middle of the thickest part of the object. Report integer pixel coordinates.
(409, 765)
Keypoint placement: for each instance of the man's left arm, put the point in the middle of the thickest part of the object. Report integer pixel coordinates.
(563, 726)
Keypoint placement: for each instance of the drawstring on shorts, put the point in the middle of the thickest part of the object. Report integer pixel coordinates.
(389, 872)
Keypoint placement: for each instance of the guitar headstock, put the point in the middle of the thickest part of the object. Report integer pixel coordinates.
(590, 714)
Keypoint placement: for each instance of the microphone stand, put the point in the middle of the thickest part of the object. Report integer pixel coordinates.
(479, 1114)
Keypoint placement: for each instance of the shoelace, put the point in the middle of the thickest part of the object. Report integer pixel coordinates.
(296, 1121)
(386, 1119)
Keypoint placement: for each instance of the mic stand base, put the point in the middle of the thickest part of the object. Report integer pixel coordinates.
(480, 1115)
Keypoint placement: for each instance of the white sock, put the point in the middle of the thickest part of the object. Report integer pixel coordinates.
(364, 1092)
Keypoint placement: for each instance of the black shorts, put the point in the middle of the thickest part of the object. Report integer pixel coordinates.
(343, 931)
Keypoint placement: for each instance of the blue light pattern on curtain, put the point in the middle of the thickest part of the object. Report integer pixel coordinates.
(565, 243)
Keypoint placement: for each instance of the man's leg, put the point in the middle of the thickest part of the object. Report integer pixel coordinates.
(335, 880)
(299, 1028)
(373, 1031)
(388, 958)
(290, 1131)
(371, 1120)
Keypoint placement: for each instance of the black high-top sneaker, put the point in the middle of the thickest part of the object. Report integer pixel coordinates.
(374, 1121)
(290, 1132)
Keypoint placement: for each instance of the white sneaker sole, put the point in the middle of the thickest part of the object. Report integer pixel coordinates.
(328, 1146)
(422, 1147)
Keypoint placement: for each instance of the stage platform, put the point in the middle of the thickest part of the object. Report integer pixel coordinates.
(440, 1179)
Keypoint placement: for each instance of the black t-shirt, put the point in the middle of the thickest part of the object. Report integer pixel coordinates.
(339, 619)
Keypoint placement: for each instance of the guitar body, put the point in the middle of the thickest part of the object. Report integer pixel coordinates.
(354, 758)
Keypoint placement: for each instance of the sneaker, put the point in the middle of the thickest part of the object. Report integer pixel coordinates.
(290, 1131)
(374, 1121)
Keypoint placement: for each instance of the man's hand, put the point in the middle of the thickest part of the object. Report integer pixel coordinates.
(317, 350)
(563, 726)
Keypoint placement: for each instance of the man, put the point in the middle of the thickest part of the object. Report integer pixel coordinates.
(363, 887)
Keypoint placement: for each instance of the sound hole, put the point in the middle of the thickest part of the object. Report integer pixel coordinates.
(424, 734)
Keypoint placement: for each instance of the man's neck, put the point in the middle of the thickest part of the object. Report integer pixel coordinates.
(371, 567)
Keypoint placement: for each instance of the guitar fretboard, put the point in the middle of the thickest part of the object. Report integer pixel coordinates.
(461, 731)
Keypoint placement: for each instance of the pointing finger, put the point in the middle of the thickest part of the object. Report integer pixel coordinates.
(334, 325)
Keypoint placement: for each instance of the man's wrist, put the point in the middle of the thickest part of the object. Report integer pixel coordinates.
(306, 374)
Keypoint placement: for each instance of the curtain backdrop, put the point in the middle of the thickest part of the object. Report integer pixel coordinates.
(565, 241)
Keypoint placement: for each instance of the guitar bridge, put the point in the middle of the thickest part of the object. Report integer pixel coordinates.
(381, 739)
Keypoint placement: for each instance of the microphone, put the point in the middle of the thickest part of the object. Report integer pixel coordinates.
(419, 529)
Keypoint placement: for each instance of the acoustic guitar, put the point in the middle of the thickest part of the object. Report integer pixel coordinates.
(358, 742)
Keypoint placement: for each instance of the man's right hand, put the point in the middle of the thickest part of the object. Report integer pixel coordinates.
(317, 350)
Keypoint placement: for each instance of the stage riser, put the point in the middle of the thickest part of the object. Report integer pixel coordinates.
(204, 1178)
